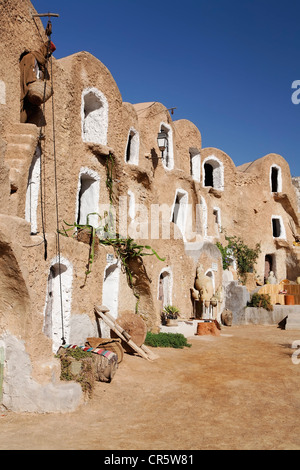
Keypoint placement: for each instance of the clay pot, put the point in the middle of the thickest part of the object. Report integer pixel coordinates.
(171, 322)
(289, 300)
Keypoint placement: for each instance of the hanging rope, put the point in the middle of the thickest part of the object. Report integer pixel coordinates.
(41, 138)
(56, 205)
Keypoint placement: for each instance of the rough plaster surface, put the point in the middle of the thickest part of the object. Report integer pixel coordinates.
(236, 300)
(92, 121)
(23, 394)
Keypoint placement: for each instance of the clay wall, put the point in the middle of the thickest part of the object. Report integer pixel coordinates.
(89, 123)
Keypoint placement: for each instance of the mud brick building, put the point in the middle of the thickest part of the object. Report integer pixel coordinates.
(55, 172)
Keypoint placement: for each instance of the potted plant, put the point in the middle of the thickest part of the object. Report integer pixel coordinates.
(170, 314)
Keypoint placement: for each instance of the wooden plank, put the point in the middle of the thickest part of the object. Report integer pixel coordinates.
(118, 330)
(149, 352)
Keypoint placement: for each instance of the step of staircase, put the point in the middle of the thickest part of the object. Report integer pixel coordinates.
(293, 318)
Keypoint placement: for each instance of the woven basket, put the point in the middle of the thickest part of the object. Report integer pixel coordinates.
(39, 92)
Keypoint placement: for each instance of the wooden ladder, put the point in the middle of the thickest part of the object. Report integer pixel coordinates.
(142, 351)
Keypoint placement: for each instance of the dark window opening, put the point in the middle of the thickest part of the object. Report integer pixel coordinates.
(274, 179)
(128, 150)
(276, 228)
(191, 164)
(91, 103)
(268, 266)
(208, 172)
(176, 209)
(13, 189)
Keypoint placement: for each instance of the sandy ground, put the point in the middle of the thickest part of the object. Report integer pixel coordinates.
(237, 391)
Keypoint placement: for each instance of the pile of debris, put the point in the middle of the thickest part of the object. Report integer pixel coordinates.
(99, 358)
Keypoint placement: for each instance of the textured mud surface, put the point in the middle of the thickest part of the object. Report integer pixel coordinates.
(239, 390)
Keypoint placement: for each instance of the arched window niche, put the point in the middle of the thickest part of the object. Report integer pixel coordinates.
(278, 228)
(168, 154)
(32, 192)
(132, 147)
(275, 179)
(110, 293)
(213, 173)
(57, 311)
(87, 201)
(94, 116)
(195, 164)
(165, 286)
(180, 211)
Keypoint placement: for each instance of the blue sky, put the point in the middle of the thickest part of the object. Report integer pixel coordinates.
(226, 65)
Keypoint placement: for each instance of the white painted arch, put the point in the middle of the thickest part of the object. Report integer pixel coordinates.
(218, 172)
(94, 116)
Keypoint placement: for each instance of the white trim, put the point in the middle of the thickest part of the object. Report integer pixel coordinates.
(135, 147)
(195, 162)
(170, 150)
(110, 294)
(204, 217)
(279, 178)
(32, 191)
(131, 204)
(94, 193)
(182, 210)
(2, 92)
(218, 211)
(218, 172)
(282, 235)
(94, 126)
(55, 326)
(168, 297)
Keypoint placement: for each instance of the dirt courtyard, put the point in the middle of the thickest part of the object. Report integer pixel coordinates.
(236, 391)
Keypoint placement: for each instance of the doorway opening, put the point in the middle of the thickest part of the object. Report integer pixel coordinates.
(57, 311)
(269, 265)
(165, 288)
(32, 192)
(179, 214)
(110, 294)
(88, 197)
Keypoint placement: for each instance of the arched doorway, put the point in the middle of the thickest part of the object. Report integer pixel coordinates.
(110, 294)
(32, 192)
(165, 288)
(57, 311)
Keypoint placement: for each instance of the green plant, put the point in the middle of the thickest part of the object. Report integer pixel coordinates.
(171, 312)
(261, 300)
(86, 375)
(166, 340)
(244, 256)
(109, 164)
(225, 255)
(126, 249)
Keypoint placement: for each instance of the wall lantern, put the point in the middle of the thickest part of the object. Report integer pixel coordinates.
(162, 140)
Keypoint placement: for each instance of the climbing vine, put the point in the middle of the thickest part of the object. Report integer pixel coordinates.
(126, 249)
(245, 257)
(109, 165)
